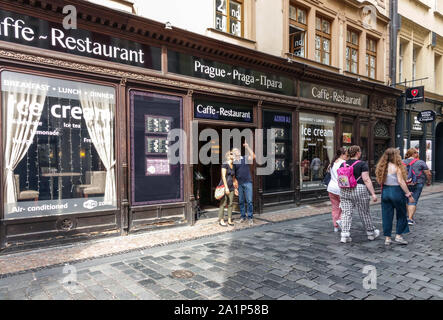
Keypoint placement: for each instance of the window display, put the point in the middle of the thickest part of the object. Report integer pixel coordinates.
(154, 179)
(58, 146)
(316, 149)
(281, 122)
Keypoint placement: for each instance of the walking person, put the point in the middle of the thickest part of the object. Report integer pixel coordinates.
(357, 198)
(228, 177)
(422, 175)
(243, 176)
(391, 175)
(333, 188)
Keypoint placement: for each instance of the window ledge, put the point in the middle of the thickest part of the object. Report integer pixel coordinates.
(423, 3)
(438, 14)
(241, 39)
(356, 76)
(311, 62)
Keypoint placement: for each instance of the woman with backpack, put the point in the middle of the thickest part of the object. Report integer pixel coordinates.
(354, 182)
(391, 175)
(333, 189)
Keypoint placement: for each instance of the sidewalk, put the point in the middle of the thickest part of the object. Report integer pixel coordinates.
(40, 258)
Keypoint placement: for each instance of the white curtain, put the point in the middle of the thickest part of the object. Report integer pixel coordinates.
(98, 112)
(24, 108)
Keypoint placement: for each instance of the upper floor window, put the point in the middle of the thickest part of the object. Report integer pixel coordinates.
(414, 64)
(371, 58)
(297, 31)
(229, 16)
(352, 51)
(400, 62)
(323, 40)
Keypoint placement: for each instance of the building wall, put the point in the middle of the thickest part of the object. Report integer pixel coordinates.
(266, 26)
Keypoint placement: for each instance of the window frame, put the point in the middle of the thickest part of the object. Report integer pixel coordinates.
(229, 18)
(300, 25)
(369, 54)
(323, 36)
(351, 45)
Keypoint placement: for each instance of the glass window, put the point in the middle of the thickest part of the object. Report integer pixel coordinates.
(352, 51)
(371, 58)
(281, 179)
(229, 16)
(58, 146)
(316, 149)
(155, 179)
(297, 31)
(323, 41)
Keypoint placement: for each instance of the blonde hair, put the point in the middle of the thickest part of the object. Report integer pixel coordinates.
(410, 152)
(228, 155)
(353, 150)
(391, 155)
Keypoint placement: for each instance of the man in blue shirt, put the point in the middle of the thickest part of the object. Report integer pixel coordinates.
(243, 176)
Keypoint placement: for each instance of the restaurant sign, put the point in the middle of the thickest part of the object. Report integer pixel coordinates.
(44, 34)
(426, 116)
(222, 111)
(344, 97)
(192, 66)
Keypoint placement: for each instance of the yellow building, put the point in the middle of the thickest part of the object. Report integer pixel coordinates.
(419, 62)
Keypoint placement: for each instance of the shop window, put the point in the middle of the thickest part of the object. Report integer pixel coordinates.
(281, 179)
(323, 40)
(154, 178)
(58, 146)
(316, 149)
(371, 58)
(229, 16)
(352, 51)
(297, 31)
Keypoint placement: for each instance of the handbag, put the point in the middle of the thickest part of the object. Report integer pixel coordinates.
(327, 177)
(219, 191)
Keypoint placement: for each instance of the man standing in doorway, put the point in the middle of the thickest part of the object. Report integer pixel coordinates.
(423, 175)
(243, 176)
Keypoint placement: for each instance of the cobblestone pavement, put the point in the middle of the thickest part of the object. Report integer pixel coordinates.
(297, 259)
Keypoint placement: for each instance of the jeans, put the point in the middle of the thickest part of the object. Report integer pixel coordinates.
(416, 192)
(336, 211)
(245, 195)
(393, 197)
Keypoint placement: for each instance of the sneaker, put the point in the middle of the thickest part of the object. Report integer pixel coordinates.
(336, 229)
(222, 223)
(388, 242)
(345, 239)
(241, 220)
(375, 234)
(400, 240)
(411, 222)
(251, 222)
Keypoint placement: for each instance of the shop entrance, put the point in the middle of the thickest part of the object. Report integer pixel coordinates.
(439, 152)
(208, 176)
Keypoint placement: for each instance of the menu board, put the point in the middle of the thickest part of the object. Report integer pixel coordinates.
(155, 124)
(156, 145)
(157, 167)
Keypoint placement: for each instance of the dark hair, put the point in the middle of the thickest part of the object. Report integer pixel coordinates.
(353, 150)
(340, 151)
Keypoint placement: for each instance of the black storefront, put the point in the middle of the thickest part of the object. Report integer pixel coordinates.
(88, 114)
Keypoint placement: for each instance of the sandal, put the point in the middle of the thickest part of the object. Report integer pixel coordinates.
(222, 223)
(230, 223)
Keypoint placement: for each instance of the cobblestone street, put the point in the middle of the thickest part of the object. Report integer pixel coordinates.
(297, 259)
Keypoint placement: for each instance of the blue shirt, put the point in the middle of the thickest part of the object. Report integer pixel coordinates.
(242, 171)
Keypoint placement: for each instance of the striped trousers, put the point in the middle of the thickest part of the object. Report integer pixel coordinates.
(355, 199)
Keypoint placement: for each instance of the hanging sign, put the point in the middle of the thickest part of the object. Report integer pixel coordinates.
(426, 116)
(188, 65)
(222, 111)
(44, 34)
(415, 94)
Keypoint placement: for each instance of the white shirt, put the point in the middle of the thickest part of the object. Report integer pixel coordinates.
(333, 184)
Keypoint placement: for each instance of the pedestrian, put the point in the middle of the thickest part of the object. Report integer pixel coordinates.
(357, 198)
(333, 188)
(243, 176)
(422, 175)
(391, 175)
(228, 177)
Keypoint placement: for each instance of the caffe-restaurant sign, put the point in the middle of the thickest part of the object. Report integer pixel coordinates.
(344, 97)
(197, 67)
(44, 34)
(222, 111)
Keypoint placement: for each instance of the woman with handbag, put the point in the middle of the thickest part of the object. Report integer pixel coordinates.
(228, 178)
(333, 188)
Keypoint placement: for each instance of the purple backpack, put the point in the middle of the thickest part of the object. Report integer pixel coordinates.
(345, 176)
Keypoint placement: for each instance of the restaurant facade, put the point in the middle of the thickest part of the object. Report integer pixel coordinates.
(86, 115)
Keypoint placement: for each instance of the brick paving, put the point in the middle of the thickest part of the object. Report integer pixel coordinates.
(297, 259)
